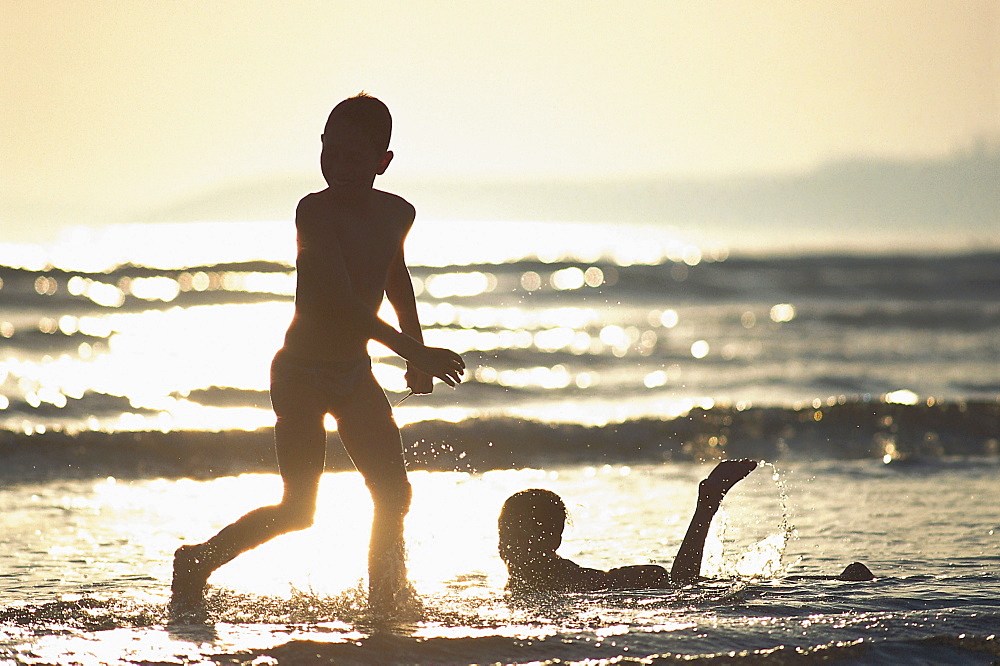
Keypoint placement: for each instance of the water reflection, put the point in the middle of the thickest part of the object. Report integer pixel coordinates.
(448, 285)
(561, 321)
(86, 529)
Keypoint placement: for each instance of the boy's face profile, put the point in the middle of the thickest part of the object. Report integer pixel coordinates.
(350, 160)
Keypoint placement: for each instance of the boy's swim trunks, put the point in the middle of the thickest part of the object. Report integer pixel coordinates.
(337, 377)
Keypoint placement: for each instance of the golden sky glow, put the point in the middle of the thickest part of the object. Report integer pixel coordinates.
(112, 108)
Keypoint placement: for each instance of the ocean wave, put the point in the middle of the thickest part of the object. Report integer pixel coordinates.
(82, 407)
(899, 435)
(926, 279)
(307, 629)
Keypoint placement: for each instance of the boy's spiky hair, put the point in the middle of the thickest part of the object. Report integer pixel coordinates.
(369, 113)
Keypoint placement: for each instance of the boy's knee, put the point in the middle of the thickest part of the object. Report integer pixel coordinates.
(297, 517)
(392, 495)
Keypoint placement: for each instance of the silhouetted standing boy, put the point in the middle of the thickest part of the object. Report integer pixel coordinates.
(350, 252)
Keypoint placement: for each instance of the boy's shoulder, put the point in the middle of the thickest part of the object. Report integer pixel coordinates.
(394, 205)
(387, 206)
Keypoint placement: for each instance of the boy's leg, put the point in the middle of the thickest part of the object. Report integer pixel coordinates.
(371, 438)
(687, 564)
(300, 444)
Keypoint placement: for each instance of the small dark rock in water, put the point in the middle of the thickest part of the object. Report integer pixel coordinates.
(857, 571)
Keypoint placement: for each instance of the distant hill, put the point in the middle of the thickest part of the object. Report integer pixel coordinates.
(963, 188)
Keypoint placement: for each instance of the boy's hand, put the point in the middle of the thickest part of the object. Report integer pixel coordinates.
(444, 364)
(418, 381)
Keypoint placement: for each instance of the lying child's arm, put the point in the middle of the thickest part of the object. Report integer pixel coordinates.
(687, 563)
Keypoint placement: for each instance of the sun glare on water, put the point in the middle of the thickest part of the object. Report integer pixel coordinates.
(158, 356)
(330, 557)
(430, 243)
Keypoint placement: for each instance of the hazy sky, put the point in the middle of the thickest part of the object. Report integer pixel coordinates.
(110, 108)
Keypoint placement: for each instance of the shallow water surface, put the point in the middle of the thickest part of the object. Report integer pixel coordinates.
(84, 570)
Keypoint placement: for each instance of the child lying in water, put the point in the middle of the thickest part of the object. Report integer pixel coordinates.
(531, 526)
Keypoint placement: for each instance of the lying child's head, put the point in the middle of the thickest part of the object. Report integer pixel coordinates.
(531, 520)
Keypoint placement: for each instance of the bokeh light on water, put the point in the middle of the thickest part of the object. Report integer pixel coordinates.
(430, 243)
(589, 324)
(158, 355)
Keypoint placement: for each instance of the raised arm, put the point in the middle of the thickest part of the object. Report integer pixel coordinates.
(687, 563)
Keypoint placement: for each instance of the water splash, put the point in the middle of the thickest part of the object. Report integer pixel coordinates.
(391, 596)
(764, 557)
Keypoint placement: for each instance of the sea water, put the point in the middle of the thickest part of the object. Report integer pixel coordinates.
(583, 324)
(86, 566)
(605, 363)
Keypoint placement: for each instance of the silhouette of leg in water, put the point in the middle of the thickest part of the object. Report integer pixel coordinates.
(194, 564)
(386, 548)
(301, 450)
(372, 440)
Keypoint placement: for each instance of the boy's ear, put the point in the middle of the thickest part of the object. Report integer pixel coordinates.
(384, 162)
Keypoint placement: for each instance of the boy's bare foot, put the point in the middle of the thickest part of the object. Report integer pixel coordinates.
(190, 575)
(725, 475)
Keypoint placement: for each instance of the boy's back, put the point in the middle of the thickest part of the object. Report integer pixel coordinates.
(346, 248)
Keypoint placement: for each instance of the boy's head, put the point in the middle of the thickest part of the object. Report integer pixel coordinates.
(368, 115)
(531, 519)
(356, 142)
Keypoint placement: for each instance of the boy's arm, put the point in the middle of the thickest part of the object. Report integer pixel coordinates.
(687, 563)
(399, 291)
(444, 364)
